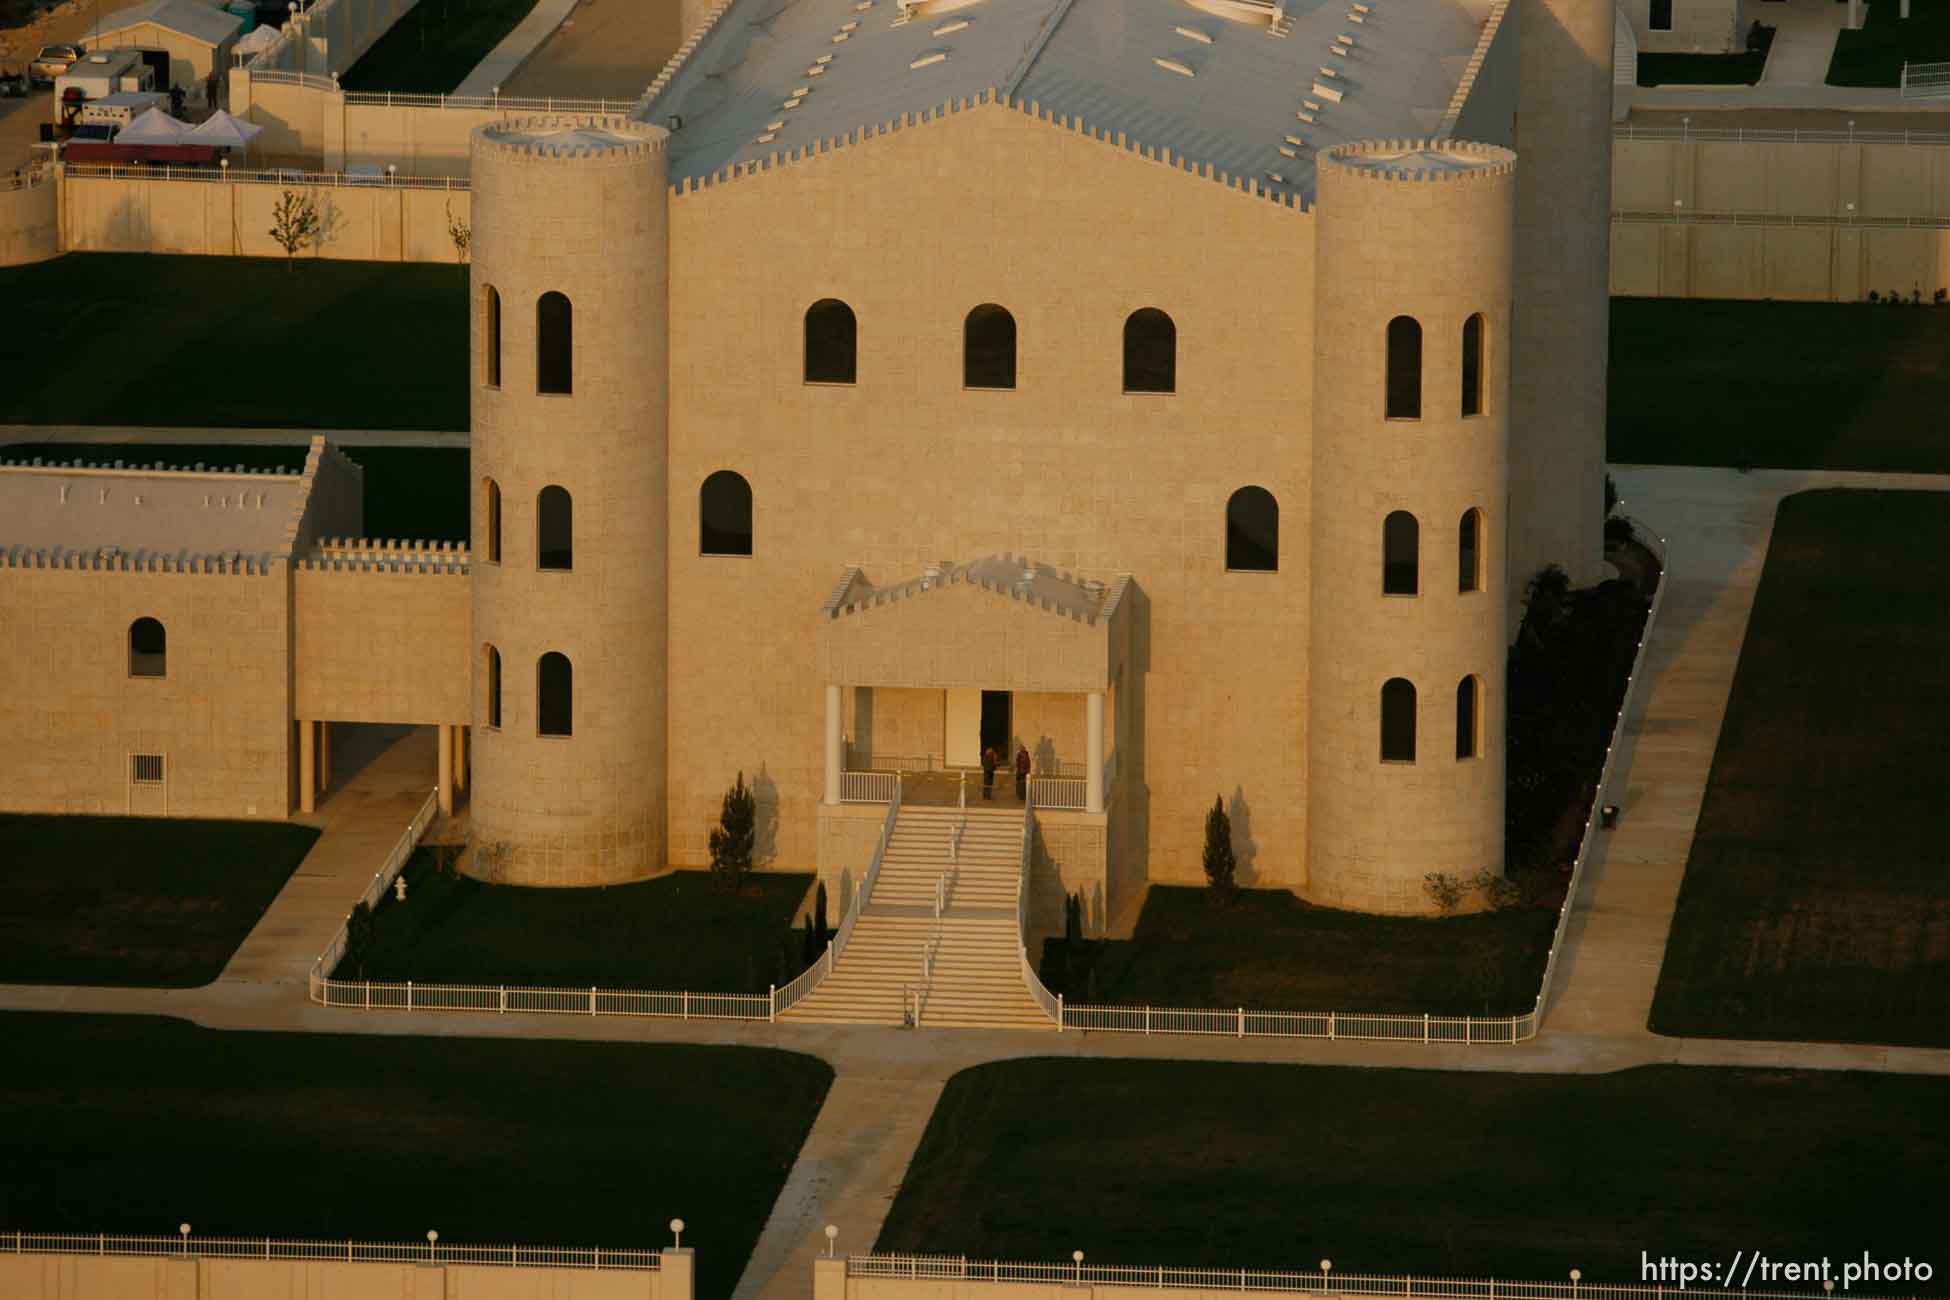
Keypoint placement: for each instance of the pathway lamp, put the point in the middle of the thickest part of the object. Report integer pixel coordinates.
(433, 1235)
(184, 1229)
(677, 1234)
(1577, 1274)
(1326, 1267)
(832, 1236)
(1076, 1257)
(1608, 816)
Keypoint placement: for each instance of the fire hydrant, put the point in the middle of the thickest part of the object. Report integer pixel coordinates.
(399, 888)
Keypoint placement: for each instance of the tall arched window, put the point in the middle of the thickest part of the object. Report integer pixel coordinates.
(988, 348)
(491, 684)
(148, 649)
(555, 529)
(1472, 365)
(1398, 721)
(491, 520)
(554, 344)
(1253, 530)
(832, 343)
(1401, 543)
(555, 691)
(1469, 551)
(1468, 718)
(724, 515)
(1404, 368)
(1150, 352)
(491, 335)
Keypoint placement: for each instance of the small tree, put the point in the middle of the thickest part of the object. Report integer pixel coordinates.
(358, 936)
(1444, 890)
(294, 224)
(808, 946)
(733, 836)
(1219, 860)
(1496, 889)
(821, 934)
(460, 232)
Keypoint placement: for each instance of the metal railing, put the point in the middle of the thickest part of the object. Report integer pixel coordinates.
(261, 176)
(518, 103)
(184, 1245)
(1246, 1022)
(1925, 80)
(374, 995)
(382, 880)
(27, 179)
(1306, 1282)
(809, 979)
(1688, 217)
(1051, 1003)
(1753, 135)
(1059, 791)
(280, 77)
(869, 787)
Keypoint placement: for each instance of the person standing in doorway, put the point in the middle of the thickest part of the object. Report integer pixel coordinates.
(990, 761)
(1022, 772)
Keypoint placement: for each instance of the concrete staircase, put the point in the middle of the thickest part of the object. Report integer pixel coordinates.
(977, 979)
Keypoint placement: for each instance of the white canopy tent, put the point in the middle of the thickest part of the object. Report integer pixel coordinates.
(254, 42)
(224, 131)
(153, 127)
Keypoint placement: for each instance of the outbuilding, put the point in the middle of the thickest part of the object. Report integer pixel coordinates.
(196, 35)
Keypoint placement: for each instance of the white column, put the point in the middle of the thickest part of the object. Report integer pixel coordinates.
(833, 755)
(307, 769)
(446, 770)
(1093, 776)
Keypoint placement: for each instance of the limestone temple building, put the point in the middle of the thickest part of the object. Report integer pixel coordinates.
(1180, 390)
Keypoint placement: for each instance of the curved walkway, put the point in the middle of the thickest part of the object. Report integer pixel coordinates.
(1718, 523)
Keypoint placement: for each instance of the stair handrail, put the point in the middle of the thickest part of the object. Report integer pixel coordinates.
(1051, 1003)
(814, 975)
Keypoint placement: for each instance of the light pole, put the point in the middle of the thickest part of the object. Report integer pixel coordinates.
(1326, 1267)
(677, 1234)
(832, 1236)
(1577, 1275)
(1076, 1257)
(433, 1236)
(184, 1229)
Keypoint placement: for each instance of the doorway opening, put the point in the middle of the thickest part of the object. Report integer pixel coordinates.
(995, 724)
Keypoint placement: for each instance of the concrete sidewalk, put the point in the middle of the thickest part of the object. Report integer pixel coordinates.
(493, 73)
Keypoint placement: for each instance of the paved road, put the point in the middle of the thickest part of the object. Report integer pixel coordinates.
(1717, 523)
(606, 49)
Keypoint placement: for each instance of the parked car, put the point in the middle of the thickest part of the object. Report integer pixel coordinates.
(52, 61)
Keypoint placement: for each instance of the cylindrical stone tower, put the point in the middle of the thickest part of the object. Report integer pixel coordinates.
(1410, 470)
(1562, 326)
(569, 377)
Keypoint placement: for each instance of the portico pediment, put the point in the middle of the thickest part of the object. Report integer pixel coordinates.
(999, 623)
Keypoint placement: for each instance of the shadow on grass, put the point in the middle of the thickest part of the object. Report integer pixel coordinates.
(435, 45)
(135, 1124)
(1816, 900)
(150, 902)
(677, 932)
(1874, 54)
(1424, 1172)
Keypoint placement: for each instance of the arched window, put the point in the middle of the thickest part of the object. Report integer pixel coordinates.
(148, 649)
(1253, 530)
(555, 529)
(555, 690)
(1398, 721)
(1401, 542)
(491, 520)
(988, 348)
(1404, 368)
(491, 671)
(1468, 718)
(1469, 552)
(724, 515)
(832, 343)
(1150, 352)
(554, 344)
(1472, 365)
(491, 335)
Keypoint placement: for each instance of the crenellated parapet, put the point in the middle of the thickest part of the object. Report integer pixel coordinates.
(1016, 577)
(583, 137)
(1431, 160)
(111, 559)
(387, 555)
(1252, 186)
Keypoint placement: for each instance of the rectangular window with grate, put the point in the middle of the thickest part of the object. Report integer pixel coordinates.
(146, 769)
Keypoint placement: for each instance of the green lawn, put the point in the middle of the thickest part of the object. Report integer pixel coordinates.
(1779, 384)
(678, 932)
(155, 902)
(1816, 902)
(1269, 950)
(1874, 54)
(434, 45)
(1742, 69)
(136, 1124)
(1422, 1171)
(417, 492)
(141, 338)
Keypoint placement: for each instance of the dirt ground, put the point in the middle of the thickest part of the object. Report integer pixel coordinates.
(605, 49)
